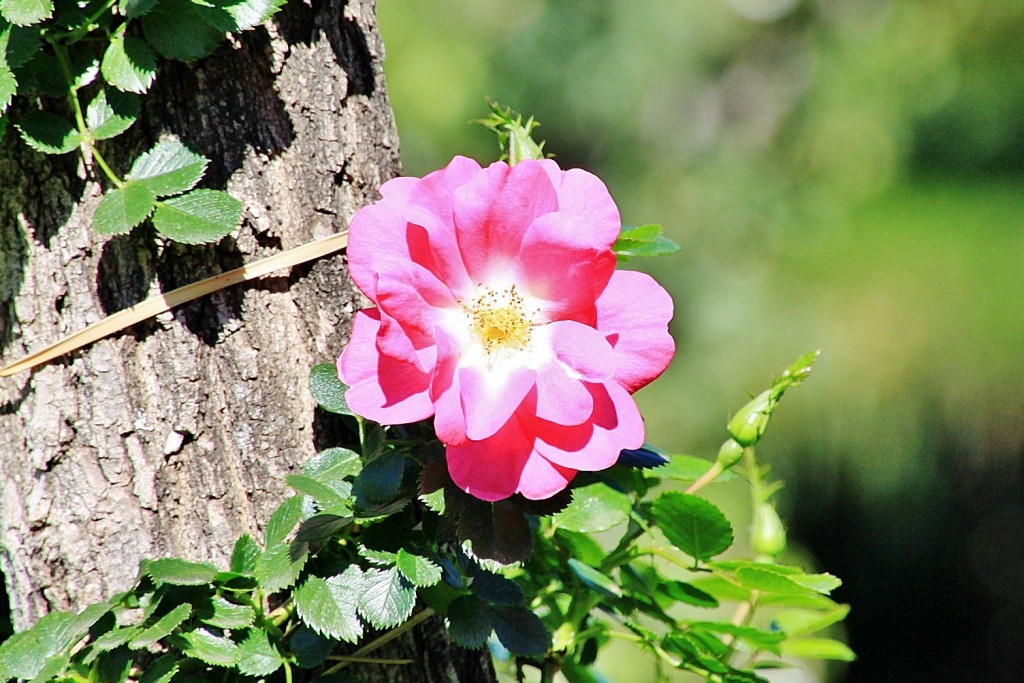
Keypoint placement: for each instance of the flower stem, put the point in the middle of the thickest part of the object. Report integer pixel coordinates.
(708, 477)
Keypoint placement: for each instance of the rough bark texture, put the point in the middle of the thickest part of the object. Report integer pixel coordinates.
(173, 438)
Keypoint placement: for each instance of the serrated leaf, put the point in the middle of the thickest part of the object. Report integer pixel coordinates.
(8, 86)
(659, 247)
(387, 598)
(168, 168)
(328, 390)
(282, 521)
(759, 638)
(111, 113)
(434, 501)
(521, 631)
(692, 524)
(178, 572)
(497, 531)
(112, 640)
(640, 233)
(594, 579)
(333, 464)
(227, 614)
(135, 8)
(420, 571)
(796, 623)
(277, 569)
(470, 621)
(329, 606)
(176, 29)
(581, 546)
(819, 648)
(129, 64)
(212, 649)
(594, 507)
(257, 657)
(163, 627)
(32, 652)
(245, 555)
(26, 12)
(48, 133)
(199, 217)
(122, 209)
(821, 583)
(162, 670)
(321, 493)
(310, 648)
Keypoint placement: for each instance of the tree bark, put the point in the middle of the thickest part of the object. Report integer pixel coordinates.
(172, 438)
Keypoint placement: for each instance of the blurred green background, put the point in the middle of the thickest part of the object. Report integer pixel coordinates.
(841, 174)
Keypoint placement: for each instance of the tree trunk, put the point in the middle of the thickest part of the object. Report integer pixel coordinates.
(173, 437)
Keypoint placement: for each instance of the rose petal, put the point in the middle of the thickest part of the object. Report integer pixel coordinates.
(493, 212)
(633, 311)
(562, 264)
(491, 469)
(381, 388)
(585, 195)
(562, 399)
(491, 396)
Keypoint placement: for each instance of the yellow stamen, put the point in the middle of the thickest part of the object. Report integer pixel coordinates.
(500, 320)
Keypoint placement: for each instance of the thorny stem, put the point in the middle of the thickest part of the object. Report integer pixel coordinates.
(359, 655)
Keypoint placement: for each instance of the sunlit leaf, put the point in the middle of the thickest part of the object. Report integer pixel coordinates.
(199, 217)
(327, 389)
(26, 12)
(123, 208)
(387, 597)
(594, 507)
(257, 657)
(328, 606)
(48, 133)
(692, 524)
(168, 168)
(129, 64)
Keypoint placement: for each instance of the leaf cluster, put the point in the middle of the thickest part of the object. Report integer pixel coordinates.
(80, 69)
(377, 538)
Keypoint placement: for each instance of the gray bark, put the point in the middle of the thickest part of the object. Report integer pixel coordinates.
(172, 438)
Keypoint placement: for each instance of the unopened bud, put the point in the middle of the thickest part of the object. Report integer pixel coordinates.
(729, 454)
(749, 423)
(769, 533)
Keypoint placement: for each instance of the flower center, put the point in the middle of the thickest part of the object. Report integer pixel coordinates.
(500, 320)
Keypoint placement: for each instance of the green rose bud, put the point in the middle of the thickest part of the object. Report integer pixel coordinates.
(769, 533)
(729, 454)
(749, 423)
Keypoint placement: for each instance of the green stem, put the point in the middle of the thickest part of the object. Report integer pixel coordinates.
(383, 639)
(706, 478)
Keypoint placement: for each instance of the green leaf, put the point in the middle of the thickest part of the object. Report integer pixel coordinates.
(168, 168)
(496, 589)
(594, 507)
(277, 569)
(321, 493)
(226, 614)
(257, 656)
(245, 555)
(49, 133)
(161, 671)
(178, 572)
(594, 579)
(689, 468)
(111, 113)
(212, 649)
(497, 531)
(8, 86)
(820, 583)
(320, 527)
(31, 653)
(26, 12)
(328, 606)
(129, 64)
(818, 648)
(646, 233)
(687, 593)
(176, 29)
(692, 524)
(199, 217)
(521, 631)
(767, 581)
(758, 638)
(310, 648)
(18, 44)
(420, 571)
(112, 640)
(282, 521)
(380, 479)
(162, 628)
(232, 16)
(470, 621)
(135, 8)
(328, 390)
(333, 464)
(122, 209)
(796, 623)
(581, 546)
(387, 597)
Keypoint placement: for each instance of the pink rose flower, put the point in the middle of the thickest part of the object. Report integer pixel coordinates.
(499, 312)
